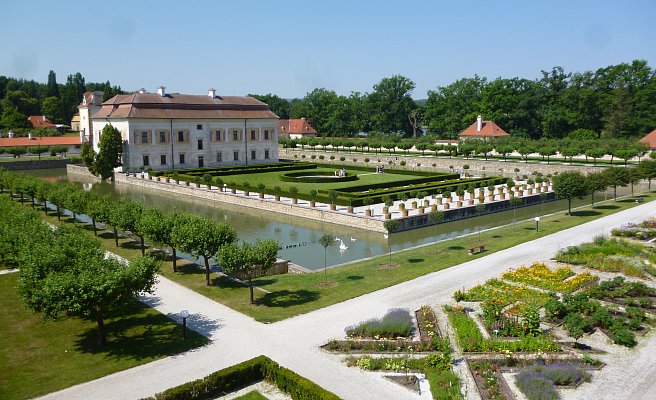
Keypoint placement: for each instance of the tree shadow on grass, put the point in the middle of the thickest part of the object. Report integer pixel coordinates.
(132, 245)
(415, 260)
(288, 298)
(191, 269)
(105, 235)
(139, 335)
(355, 277)
(497, 237)
(607, 207)
(585, 213)
(455, 248)
(264, 281)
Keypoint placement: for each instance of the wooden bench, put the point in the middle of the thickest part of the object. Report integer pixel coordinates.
(640, 200)
(476, 249)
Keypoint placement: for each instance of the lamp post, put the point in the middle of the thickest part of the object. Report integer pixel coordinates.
(537, 224)
(389, 249)
(184, 314)
(225, 187)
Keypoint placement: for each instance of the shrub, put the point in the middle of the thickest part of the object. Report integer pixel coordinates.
(402, 163)
(444, 384)
(536, 386)
(342, 159)
(396, 322)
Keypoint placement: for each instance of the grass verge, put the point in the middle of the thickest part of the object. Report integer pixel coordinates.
(41, 357)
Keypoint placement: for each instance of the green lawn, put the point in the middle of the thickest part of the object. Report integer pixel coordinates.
(254, 395)
(38, 357)
(297, 294)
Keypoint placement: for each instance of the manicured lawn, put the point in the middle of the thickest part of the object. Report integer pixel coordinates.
(39, 357)
(297, 294)
(271, 179)
(254, 395)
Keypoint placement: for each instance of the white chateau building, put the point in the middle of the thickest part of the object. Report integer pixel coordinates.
(175, 131)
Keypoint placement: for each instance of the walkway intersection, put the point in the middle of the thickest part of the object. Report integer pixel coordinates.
(294, 343)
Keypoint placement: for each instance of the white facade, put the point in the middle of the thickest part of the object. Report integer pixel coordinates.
(191, 143)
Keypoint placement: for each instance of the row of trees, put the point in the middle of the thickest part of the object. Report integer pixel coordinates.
(195, 235)
(571, 185)
(65, 271)
(617, 101)
(18, 151)
(579, 145)
(20, 98)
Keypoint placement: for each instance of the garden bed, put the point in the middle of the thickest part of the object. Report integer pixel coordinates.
(491, 385)
(562, 280)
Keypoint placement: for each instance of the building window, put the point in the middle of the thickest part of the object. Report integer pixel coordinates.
(266, 154)
(252, 134)
(235, 135)
(146, 161)
(200, 144)
(217, 136)
(181, 136)
(182, 161)
(162, 159)
(235, 155)
(219, 157)
(266, 134)
(252, 154)
(199, 127)
(144, 137)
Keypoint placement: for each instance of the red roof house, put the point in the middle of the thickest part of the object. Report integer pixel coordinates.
(650, 140)
(40, 141)
(40, 121)
(295, 128)
(483, 129)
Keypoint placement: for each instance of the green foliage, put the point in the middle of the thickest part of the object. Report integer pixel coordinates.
(570, 185)
(249, 260)
(110, 148)
(87, 155)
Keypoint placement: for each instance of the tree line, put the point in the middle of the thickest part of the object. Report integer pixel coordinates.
(617, 101)
(571, 185)
(199, 236)
(20, 98)
(579, 143)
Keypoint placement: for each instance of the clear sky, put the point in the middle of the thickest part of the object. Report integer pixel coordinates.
(291, 47)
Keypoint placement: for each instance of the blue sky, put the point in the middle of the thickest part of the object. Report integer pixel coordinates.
(291, 47)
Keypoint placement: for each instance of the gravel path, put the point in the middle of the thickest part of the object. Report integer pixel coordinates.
(294, 342)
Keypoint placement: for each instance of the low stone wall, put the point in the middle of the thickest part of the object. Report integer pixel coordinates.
(280, 267)
(80, 170)
(476, 166)
(35, 164)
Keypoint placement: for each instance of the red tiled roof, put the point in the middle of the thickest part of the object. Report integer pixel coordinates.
(489, 129)
(650, 139)
(295, 126)
(40, 121)
(175, 105)
(86, 99)
(39, 141)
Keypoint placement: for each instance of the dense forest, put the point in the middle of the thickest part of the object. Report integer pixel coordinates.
(618, 101)
(20, 98)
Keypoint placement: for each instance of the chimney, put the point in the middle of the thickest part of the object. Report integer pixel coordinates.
(11, 134)
(97, 97)
(29, 136)
(142, 90)
(479, 123)
(211, 93)
(161, 91)
(82, 136)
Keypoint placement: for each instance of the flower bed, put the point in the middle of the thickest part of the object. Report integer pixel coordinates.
(619, 291)
(645, 230)
(427, 323)
(539, 382)
(502, 291)
(396, 323)
(490, 383)
(384, 346)
(540, 276)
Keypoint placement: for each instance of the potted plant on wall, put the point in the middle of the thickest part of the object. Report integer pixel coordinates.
(349, 208)
(472, 191)
(150, 173)
(176, 177)
(414, 194)
(198, 181)
(207, 179)
(293, 192)
(277, 191)
(490, 193)
(313, 198)
(368, 201)
(460, 192)
(218, 182)
(247, 188)
(233, 187)
(332, 195)
(260, 189)
(388, 203)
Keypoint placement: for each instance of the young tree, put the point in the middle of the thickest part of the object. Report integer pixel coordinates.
(158, 226)
(202, 237)
(110, 148)
(76, 202)
(647, 169)
(87, 155)
(616, 177)
(326, 240)
(127, 217)
(98, 208)
(569, 185)
(252, 260)
(595, 182)
(70, 275)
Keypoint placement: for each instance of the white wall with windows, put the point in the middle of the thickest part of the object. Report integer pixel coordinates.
(193, 143)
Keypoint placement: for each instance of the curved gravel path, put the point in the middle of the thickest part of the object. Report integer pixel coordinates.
(294, 342)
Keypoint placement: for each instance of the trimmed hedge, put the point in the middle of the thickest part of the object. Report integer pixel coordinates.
(244, 374)
(315, 177)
